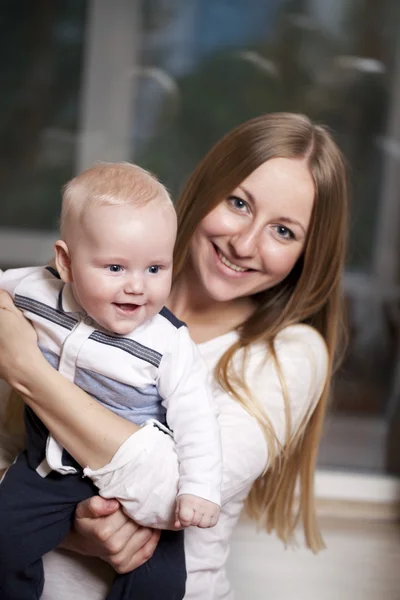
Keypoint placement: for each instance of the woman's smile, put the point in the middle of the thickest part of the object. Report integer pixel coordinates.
(226, 265)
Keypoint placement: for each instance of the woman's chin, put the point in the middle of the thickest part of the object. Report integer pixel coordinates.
(220, 292)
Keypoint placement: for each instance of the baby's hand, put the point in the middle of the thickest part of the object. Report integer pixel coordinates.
(192, 510)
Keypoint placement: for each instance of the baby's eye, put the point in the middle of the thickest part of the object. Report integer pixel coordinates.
(238, 203)
(114, 268)
(284, 232)
(154, 269)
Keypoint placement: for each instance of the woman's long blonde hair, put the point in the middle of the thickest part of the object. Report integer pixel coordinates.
(311, 294)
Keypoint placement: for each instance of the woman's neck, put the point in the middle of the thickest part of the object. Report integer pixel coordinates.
(205, 317)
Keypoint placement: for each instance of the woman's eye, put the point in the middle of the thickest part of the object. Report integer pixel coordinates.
(238, 203)
(114, 268)
(284, 232)
(154, 269)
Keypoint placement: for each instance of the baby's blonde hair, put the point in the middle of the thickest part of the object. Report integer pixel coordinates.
(109, 184)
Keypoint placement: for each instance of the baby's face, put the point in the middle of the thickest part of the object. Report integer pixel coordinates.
(121, 263)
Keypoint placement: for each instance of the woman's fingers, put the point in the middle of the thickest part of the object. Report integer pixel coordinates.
(115, 533)
(99, 520)
(96, 507)
(6, 302)
(18, 340)
(106, 531)
(138, 550)
(96, 522)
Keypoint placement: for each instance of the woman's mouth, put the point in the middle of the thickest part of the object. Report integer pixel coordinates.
(227, 263)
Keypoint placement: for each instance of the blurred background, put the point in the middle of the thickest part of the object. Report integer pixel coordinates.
(158, 82)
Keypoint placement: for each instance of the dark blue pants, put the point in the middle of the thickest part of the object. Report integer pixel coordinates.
(35, 516)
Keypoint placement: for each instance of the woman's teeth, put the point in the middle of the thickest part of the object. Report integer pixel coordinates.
(229, 264)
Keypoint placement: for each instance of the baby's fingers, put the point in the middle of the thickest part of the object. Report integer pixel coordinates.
(184, 516)
(208, 521)
(196, 518)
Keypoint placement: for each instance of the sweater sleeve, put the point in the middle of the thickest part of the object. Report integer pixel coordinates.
(143, 475)
(303, 359)
(191, 414)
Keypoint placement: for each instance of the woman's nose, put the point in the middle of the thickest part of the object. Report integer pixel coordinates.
(244, 243)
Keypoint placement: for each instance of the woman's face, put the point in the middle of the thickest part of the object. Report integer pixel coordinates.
(253, 238)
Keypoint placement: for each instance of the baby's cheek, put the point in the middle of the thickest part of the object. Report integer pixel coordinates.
(161, 290)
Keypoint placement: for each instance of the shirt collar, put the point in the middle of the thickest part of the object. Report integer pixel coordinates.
(66, 301)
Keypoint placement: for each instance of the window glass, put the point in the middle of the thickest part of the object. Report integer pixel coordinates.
(41, 51)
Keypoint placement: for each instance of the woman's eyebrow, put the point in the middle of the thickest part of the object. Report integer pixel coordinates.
(246, 192)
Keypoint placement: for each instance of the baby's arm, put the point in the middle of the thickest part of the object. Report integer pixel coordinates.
(192, 416)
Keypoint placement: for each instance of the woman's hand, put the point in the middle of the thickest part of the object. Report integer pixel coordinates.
(102, 529)
(18, 341)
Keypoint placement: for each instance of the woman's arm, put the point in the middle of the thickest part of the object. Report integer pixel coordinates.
(12, 430)
(91, 433)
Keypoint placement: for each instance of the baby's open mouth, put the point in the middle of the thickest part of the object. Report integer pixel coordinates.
(126, 307)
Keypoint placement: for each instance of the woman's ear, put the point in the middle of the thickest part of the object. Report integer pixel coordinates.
(63, 261)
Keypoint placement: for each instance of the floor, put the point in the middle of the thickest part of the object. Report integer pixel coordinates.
(361, 562)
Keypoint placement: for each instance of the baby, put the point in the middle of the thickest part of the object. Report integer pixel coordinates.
(101, 321)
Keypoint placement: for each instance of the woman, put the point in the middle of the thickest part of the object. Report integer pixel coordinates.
(259, 257)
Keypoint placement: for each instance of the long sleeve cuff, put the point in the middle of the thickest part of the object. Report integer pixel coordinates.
(211, 493)
(132, 477)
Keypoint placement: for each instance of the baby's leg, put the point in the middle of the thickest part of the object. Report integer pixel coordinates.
(35, 515)
(163, 576)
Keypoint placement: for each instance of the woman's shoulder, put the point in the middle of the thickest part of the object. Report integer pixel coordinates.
(294, 339)
(301, 352)
(300, 349)
(301, 335)
(301, 370)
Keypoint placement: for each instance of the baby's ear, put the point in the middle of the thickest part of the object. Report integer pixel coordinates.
(63, 261)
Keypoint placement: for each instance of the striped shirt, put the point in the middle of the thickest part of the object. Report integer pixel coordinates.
(155, 372)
